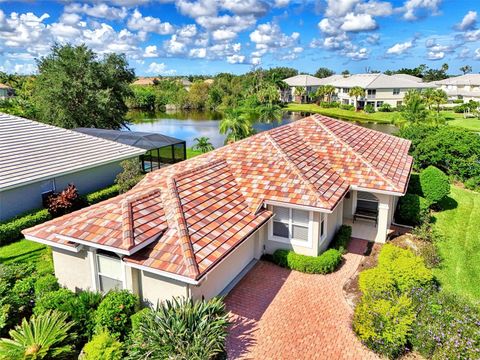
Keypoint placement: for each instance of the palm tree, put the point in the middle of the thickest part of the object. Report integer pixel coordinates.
(268, 94)
(269, 113)
(326, 91)
(203, 145)
(235, 125)
(43, 337)
(439, 97)
(356, 92)
(300, 92)
(428, 95)
(414, 110)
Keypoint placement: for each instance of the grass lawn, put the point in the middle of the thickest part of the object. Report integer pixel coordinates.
(469, 124)
(192, 153)
(25, 251)
(460, 249)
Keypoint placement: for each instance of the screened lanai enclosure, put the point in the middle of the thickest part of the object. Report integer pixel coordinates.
(161, 149)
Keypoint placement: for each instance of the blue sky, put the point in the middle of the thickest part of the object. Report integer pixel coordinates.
(180, 37)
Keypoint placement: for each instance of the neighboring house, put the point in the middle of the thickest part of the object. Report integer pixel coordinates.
(143, 81)
(464, 87)
(308, 82)
(379, 89)
(408, 77)
(5, 92)
(36, 159)
(187, 84)
(161, 150)
(194, 228)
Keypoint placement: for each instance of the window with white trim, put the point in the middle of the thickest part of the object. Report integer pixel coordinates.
(109, 271)
(396, 91)
(291, 224)
(323, 224)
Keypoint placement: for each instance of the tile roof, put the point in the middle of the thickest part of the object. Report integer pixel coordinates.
(188, 216)
(31, 151)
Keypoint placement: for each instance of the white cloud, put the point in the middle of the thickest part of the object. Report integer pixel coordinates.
(151, 51)
(198, 8)
(159, 69)
(328, 26)
(246, 7)
(375, 8)
(357, 54)
(472, 36)
(373, 39)
(187, 31)
(477, 54)
(414, 9)
(236, 59)
(339, 8)
(149, 24)
(101, 11)
(198, 53)
(222, 35)
(432, 55)
(175, 46)
(358, 22)
(400, 48)
(281, 3)
(468, 22)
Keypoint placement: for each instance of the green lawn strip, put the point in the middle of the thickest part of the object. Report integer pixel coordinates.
(192, 153)
(22, 251)
(469, 124)
(460, 249)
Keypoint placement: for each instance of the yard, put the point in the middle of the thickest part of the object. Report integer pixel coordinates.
(460, 248)
(26, 252)
(469, 124)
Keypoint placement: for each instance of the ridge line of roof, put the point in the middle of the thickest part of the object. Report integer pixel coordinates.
(182, 229)
(374, 78)
(356, 154)
(294, 167)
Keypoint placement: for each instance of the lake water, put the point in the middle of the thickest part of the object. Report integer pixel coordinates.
(192, 124)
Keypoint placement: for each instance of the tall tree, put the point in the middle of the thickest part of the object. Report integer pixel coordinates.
(202, 144)
(76, 89)
(414, 110)
(439, 97)
(323, 72)
(356, 92)
(466, 69)
(235, 125)
(345, 72)
(300, 92)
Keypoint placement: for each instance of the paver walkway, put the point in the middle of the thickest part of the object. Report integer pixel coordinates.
(283, 314)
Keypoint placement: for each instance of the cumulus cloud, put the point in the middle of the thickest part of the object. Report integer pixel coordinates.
(400, 48)
(414, 9)
(358, 22)
(468, 22)
(149, 24)
(159, 69)
(236, 59)
(477, 54)
(151, 51)
(101, 11)
(269, 37)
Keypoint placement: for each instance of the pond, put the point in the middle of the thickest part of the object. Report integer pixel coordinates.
(188, 125)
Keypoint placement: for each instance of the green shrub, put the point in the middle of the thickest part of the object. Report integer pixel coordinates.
(102, 194)
(329, 105)
(473, 183)
(62, 300)
(138, 318)
(376, 281)
(435, 184)
(412, 209)
(384, 325)
(103, 346)
(347, 107)
(45, 284)
(369, 109)
(113, 313)
(326, 263)
(458, 101)
(447, 327)
(342, 238)
(414, 186)
(11, 230)
(385, 108)
(189, 329)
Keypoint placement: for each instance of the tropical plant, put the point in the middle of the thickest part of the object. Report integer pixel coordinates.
(414, 110)
(235, 125)
(103, 346)
(439, 97)
(466, 69)
(202, 144)
(268, 95)
(66, 201)
(325, 91)
(130, 175)
(182, 329)
(299, 93)
(435, 184)
(268, 113)
(44, 336)
(356, 92)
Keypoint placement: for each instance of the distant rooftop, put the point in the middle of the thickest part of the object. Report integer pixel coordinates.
(468, 79)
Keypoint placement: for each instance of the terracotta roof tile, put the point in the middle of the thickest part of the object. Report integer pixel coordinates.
(199, 210)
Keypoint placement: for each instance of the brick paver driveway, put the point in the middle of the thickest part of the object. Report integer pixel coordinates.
(282, 314)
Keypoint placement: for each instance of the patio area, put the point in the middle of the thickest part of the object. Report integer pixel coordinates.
(282, 314)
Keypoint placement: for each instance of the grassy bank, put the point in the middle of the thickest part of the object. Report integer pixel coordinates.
(460, 248)
(469, 124)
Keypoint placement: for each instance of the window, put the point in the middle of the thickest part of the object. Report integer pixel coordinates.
(292, 224)
(396, 91)
(379, 103)
(109, 269)
(345, 90)
(372, 91)
(323, 230)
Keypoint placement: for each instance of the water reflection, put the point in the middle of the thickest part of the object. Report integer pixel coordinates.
(188, 125)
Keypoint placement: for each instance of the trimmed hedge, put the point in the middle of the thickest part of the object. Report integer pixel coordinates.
(414, 186)
(323, 264)
(435, 184)
(342, 238)
(11, 230)
(473, 183)
(411, 209)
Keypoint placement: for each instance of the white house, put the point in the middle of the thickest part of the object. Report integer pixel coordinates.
(193, 228)
(307, 82)
(379, 89)
(36, 159)
(5, 92)
(464, 87)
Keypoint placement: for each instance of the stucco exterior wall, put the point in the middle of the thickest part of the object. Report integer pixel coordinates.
(154, 288)
(334, 221)
(226, 271)
(21, 199)
(73, 270)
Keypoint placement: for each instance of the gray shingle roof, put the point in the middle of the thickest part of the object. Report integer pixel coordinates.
(31, 151)
(379, 81)
(468, 79)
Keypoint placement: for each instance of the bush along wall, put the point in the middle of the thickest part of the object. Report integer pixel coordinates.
(11, 230)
